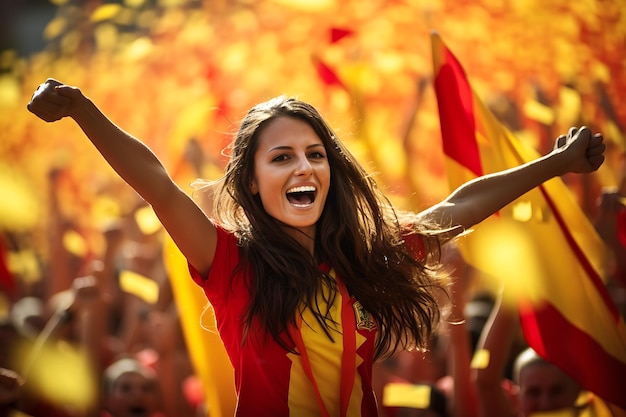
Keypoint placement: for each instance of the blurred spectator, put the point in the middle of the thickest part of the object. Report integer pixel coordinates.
(542, 386)
(130, 389)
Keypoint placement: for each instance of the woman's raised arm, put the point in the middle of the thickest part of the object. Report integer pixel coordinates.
(192, 231)
(578, 152)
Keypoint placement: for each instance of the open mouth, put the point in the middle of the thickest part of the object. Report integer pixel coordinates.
(302, 196)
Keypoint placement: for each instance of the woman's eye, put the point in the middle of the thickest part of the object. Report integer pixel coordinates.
(279, 158)
(316, 155)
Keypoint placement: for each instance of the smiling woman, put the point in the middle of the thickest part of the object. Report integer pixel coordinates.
(291, 176)
(311, 272)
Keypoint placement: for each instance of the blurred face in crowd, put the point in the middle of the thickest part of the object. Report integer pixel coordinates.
(132, 395)
(544, 387)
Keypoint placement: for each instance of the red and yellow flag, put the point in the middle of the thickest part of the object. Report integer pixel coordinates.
(542, 244)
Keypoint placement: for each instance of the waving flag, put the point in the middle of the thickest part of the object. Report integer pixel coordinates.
(543, 240)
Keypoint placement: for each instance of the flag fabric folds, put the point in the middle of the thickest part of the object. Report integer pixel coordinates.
(566, 312)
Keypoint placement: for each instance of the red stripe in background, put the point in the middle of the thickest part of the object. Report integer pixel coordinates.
(583, 261)
(337, 34)
(456, 114)
(556, 339)
(327, 74)
(7, 281)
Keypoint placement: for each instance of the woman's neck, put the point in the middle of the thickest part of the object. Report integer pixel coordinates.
(304, 236)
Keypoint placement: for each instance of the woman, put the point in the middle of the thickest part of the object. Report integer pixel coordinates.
(311, 273)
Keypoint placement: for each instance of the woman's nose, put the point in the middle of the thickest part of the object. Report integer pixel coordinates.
(303, 166)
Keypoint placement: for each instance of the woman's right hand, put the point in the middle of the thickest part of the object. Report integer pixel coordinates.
(53, 100)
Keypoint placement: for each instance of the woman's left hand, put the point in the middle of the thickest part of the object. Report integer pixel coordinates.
(585, 150)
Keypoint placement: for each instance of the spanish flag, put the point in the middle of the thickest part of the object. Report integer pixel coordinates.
(542, 244)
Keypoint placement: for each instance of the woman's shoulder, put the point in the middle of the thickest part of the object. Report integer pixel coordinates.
(228, 236)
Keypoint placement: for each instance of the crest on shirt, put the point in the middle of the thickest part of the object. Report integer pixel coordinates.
(364, 320)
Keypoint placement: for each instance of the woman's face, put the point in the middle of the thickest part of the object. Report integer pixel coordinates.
(291, 173)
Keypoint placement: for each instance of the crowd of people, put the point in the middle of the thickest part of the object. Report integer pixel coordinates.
(298, 237)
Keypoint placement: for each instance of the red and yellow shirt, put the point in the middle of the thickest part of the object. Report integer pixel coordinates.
(326, 377)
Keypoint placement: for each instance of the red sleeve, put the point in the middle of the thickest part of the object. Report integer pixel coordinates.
(218, 285)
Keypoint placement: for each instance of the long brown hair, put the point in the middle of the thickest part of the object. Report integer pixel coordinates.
(359, 234)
